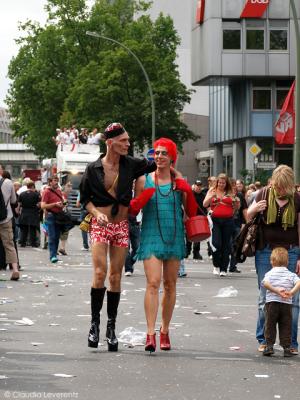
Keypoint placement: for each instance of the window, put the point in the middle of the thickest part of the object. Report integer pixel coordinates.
(278, 34)
(278, 39)
(16, 170)
(255, 39)
(231, 35)
(280, 97)
(261, 99)
(231, 39)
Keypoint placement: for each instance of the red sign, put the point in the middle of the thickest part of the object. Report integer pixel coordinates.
(254, 8)
(285, 125)
(200, 11)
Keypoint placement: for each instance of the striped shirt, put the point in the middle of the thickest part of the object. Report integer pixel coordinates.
(280, 277)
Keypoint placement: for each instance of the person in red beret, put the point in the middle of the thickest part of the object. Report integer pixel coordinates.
(162, 243)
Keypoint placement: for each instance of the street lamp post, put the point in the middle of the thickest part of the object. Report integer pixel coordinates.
(297, 98)
(95, 34)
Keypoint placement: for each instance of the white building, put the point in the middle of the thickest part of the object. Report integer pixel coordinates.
(5, 131)
(246, 53)
(15, 157)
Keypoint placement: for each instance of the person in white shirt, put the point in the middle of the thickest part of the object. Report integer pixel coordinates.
(23, 188)
(281, 285)
(66, 137)
(94, 137)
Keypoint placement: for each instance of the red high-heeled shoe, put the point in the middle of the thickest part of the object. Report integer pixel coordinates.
(150, 343)
(164, 341)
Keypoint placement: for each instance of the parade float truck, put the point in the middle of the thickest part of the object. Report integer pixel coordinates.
(71, 162)
(33, 174)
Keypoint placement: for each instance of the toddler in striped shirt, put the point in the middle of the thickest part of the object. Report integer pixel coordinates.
(281, 285)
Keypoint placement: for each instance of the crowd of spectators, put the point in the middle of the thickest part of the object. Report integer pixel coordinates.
(73, 136)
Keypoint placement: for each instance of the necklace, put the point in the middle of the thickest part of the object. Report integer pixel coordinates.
(168, 242)
(157, 187)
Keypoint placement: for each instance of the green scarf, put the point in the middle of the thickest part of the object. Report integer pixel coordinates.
(288, 217)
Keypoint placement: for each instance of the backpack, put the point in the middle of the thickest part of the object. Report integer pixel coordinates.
(3, 206)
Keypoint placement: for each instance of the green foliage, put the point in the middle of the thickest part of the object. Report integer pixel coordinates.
(263, 175)
(62, 76)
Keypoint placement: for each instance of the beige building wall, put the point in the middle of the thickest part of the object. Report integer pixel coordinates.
(187, 163)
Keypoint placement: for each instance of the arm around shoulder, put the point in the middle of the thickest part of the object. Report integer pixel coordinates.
(143, 166)
(139, 185)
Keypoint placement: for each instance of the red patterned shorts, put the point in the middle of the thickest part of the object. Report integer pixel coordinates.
(115, 234)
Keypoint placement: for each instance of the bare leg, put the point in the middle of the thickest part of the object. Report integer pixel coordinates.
(15, 267)
(153, 272)
(117, 260)
(170, 273)
(99, 256)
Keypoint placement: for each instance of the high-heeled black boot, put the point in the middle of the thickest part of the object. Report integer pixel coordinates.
(113, 299)
(97, 296)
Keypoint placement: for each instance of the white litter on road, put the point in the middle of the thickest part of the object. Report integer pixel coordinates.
(201, 312)
(64, 375)
(262, 376)
(228, 291)
(24, 321)
(5, 300)
(132, 336)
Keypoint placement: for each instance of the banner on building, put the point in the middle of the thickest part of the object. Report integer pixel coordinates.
(285, 125)
(200, 11)
(254, 8)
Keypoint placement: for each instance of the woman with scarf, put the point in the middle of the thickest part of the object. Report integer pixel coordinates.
(162, 243)
(280, 208)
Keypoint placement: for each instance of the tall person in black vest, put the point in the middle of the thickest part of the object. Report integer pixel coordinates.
(106, 192)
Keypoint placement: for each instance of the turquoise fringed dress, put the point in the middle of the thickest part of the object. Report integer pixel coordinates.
(152, 244)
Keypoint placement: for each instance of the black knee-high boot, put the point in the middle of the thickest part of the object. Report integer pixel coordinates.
(113, 299)
(97, 296)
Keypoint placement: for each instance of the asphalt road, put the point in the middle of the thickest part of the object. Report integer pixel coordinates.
(214, 351)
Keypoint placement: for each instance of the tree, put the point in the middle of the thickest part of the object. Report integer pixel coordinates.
(62, 76)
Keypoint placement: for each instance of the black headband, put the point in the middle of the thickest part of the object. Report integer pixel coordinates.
(113, 133)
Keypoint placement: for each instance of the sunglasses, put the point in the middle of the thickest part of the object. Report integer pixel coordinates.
(162, 152)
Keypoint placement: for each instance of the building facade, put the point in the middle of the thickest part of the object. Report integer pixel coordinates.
(195, 114)
(249, 65)
(17, 157)
(5, 131)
